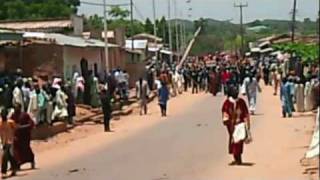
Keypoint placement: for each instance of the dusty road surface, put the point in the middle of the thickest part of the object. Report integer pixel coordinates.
(190, 144)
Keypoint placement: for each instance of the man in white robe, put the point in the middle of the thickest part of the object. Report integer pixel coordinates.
(18, 95)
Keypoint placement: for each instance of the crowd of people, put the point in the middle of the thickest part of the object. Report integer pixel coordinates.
(296, 84)
(28, 102)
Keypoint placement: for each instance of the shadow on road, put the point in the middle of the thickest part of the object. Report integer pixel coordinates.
(247, 164)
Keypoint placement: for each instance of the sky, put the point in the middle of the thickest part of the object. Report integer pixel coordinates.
(216, 9)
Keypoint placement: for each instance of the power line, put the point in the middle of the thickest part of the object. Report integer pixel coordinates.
(138, 12)
(241, 6)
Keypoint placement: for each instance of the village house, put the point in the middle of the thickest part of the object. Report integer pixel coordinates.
(51, 54)
(56, 47)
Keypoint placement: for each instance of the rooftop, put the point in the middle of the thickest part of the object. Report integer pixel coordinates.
(65, 40)
(147, 36)
(36, 25)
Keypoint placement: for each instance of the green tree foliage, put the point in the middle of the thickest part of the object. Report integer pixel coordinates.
(117, 12)
(148, 26)
(36, 9)
(203, 23)
(308, 53)
(228, 32)
(120, 20)
(214, 36)
(207, 44)
(94, 23)
(162, 29)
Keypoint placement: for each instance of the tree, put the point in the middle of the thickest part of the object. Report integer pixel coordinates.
(14, 9)
(309, 54)
(203, 23)
(37, 9)
(94, 22)
(307, 20)
(148, 26)
(162, 29)
(256, 23)
(118, 13)
(119, 20)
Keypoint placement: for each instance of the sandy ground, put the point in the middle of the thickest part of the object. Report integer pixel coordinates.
(118, 124)
(279, 144)
(190, 144)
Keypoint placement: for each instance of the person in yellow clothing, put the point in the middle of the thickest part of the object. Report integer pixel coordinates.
(7, 130)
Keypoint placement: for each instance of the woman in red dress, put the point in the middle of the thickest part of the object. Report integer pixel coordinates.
(22, 149)
(235, 111)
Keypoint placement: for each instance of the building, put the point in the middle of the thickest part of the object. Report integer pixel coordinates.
(52, 54)
(74, 24)
(136, 59)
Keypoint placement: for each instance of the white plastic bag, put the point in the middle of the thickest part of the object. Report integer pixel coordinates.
(239, 133)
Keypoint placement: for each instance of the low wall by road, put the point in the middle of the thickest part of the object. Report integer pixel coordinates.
(313, 150)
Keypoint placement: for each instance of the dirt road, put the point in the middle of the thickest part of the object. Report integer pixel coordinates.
(190, 144)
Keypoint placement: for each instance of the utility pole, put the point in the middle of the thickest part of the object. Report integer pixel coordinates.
(184, 36)
(189, 15)
(176, 26)
(154, 18)
(241, 6)
(319, 35)
(293, 25)
(181, 34)
(155, 29)
(132, 31)
(106, 49)
(170, 31)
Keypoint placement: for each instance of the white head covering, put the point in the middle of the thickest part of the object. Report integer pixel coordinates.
(56, 82)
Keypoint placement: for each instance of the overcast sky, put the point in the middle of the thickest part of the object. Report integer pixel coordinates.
(217, 9)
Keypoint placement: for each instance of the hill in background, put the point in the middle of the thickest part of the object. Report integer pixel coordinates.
(224, 35)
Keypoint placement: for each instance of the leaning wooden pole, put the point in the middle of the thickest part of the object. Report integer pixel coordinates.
(188, 49)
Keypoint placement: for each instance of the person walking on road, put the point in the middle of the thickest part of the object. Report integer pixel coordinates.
(285, 95)
(163, 94)
(236, 118)
(251, 87)
(214, 84)
(225, 77)
(22, 149)
(142, 93)
(105, 97)
(195, 80)
(7, 130)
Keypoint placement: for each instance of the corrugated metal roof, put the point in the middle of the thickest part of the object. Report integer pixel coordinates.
(5, 43)
(29, 25)
(148, 36)
(65, 40)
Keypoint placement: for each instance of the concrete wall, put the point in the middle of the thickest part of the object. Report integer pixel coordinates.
(36, 59)
(73, 55)
(135, 68)
(117, 58)
(54, 60)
